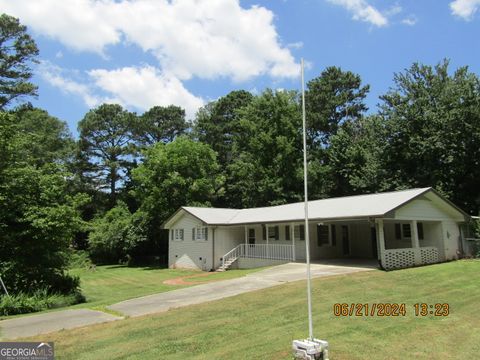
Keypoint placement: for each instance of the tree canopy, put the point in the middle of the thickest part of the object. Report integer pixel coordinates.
(18, 52)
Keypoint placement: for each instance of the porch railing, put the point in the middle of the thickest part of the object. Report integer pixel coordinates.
(260, 251)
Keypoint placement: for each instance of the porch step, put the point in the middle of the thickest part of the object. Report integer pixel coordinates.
(226, 265)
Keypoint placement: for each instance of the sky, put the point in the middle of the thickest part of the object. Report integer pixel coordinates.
(142, 53)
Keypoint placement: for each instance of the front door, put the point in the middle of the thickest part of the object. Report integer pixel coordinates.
(345, 240)
(251, 236)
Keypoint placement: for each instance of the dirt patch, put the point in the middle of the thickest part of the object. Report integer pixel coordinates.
(183, 280)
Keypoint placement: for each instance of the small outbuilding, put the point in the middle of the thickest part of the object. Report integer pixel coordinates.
(399, 229)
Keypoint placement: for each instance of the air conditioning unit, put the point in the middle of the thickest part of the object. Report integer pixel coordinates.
(310, 349)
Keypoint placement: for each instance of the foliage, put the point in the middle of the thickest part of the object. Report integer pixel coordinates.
(160, 124)
(114, 235)
(80, 259)
(181, 173)
(433, 126)
(18, 53)
(23, 303)
(356, 156)
(217, 123)
(106, 146)
(266, 163)
(38, 215)
(331, 99)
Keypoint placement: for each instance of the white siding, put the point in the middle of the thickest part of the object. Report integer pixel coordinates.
(426, 209)
(227, 238)
(451, 237)
(196, 254)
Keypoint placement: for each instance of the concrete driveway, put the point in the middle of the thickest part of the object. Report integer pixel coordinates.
(277, 275)
(273, 276)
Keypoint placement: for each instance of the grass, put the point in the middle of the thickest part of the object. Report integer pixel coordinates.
(110, 284)
(262, 324)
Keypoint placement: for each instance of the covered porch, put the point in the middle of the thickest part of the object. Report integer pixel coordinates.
(392, 243)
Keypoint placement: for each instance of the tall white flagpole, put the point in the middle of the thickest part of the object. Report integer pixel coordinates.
(305, 186)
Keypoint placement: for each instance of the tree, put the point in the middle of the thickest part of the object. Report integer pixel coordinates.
(114, 235)
(38, 214)
(217, 123)
(266, 165)
(160, 124)
(433, 128)
(331, 99)
(106, 144)
(183, 172)
(356, 156)
(18, 53)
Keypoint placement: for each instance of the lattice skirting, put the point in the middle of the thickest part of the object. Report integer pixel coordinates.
(429, 255)
(403, 258)
(399, 258)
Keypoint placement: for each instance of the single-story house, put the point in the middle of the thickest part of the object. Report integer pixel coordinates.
(400, 229)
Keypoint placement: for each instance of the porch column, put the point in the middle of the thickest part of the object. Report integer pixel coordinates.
(415, 242)
(381, 242)
(246, 240)
(292, 236)
(266, 236)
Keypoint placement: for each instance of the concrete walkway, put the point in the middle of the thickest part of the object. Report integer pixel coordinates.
(273, 276)
(68, 319)
(52, 321)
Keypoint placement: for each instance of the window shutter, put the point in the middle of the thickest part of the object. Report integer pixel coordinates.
(334, 235)
(193, 233)
(206, 233)
(264, 232)
(287, 232)
(302, 232)
(277, 235)
(420, 230)
(398, 232)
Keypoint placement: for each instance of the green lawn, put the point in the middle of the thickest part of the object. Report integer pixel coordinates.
(262, 324)
(110, 284)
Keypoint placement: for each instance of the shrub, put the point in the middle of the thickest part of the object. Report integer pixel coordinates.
(80, 259)
(23, 303)
(114, 235)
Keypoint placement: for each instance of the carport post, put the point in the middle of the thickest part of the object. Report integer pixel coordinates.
(415, 242)
(266, 235)
(381, 242)
(246, 240)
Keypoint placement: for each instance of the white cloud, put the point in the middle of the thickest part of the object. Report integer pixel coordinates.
(465, 9)
(190, 38)
(137, 88)
(410, 20)
(363, 11)
(63, 80)
(144, 87)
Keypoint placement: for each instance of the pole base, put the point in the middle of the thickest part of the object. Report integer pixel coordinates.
(310, 349)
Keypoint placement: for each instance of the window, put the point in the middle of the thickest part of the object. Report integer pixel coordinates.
(420, 230)
(322, 235)
(273, 233)
(404, 231)
(287, 232)
(178, 235)
(407, 231)
(200, 233)
(251, 236)
(299, 232)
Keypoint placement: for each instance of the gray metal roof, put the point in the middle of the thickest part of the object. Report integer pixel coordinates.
(348, 207)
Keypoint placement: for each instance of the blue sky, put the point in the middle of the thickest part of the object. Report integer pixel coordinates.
(156, 52)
